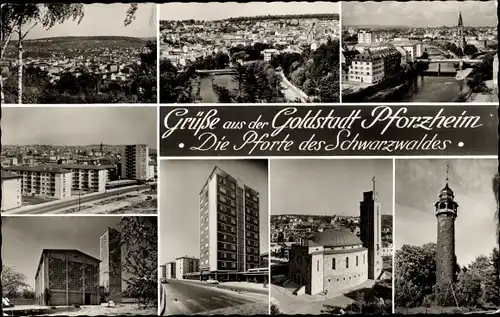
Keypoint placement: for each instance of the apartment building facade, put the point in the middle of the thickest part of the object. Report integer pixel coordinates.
(88, 177)
(185, 265)
(134, 162)
(44, 181)
(11, 191)
(229, 226)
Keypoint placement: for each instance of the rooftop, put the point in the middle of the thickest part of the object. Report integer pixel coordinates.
(336, 238)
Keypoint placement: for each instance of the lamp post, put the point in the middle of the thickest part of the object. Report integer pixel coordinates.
(79, 198)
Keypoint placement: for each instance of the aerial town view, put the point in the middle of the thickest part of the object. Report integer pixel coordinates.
(95, 270)
(78, 53)
(79, 163)
(438, 51)
(447, 258)
(331, 237)
(251, 52)
(214, 237)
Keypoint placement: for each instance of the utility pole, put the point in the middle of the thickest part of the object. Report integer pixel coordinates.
(79, 198)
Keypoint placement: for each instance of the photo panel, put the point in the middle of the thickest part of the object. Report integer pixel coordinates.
(254, 52)
(214, 237)
(416, 51)
(102, 266)
(331, 236)
(446, 258)
(75, 53)
(71, 160)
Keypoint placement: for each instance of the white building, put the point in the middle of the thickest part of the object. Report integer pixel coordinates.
(11, 191)
(366, 37)
(184, 265)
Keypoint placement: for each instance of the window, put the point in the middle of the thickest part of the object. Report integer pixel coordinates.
(333, 264)
(347, 262)
(317, 265)
(363, 258)
(356, 260)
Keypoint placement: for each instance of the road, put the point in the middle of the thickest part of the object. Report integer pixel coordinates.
(83, 199)
(185, 298)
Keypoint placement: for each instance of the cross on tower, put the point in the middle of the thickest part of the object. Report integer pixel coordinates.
(374, 182)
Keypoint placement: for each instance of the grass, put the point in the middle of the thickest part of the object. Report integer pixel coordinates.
(32, 200)
(433, 310)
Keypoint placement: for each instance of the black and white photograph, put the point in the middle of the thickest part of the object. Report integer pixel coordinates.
(214, 237)
(254, 52)
(73, 266)
(419, 51)
(78, 53)
(79, 160)
(331, 236)
(446, 258)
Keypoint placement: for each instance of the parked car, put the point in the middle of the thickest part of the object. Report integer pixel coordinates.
(211, 281)
(163, 280)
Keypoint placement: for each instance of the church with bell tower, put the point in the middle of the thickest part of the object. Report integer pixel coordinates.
(446, 213)
(460, 35)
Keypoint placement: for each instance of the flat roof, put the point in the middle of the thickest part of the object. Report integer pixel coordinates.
(10, 175)
(38, 169)
(85, 167)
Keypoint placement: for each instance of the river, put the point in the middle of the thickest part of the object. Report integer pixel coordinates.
(435, 88)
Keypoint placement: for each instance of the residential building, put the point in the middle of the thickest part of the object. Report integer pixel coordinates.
(134, 162)
(268, 53)
(110, 266)
(170, 270)
(229, 226)
(87, 177)
(185, 265)
(11, 191)
(366, 68)
(366, 37)
(44, 181)
(67, 277)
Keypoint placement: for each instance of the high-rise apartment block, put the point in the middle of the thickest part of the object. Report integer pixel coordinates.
(229, 225)
(110, 266)
(134, 162)
(366, 37)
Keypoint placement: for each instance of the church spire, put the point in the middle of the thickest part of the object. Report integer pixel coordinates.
(460, 21)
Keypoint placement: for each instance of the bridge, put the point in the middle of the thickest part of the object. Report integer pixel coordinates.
(450, 60)
(206, 72)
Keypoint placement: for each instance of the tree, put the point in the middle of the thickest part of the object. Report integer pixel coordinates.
(138, 249)
(470, 50)
(415, 275)
(19, 19)
(12, 281)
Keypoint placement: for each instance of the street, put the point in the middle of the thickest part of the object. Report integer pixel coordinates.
(186, 297)
(74, 202)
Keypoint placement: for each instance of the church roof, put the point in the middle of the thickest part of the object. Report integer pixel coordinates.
(336, 238)
(447, 190)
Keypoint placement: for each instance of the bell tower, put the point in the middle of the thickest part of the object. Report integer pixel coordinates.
(370, 224)
(446, 213)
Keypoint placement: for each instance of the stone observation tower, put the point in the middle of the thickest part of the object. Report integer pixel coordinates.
(370, 228)
(446, 213)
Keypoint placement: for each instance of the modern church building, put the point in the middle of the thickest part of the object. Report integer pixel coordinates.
(337, 259)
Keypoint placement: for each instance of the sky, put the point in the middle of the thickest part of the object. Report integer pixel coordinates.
(418, 183)
(329, 186)
(79, 125)
(24, 238)
(418, 13)
(220, 11)
(104, 20)
(180, 186)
